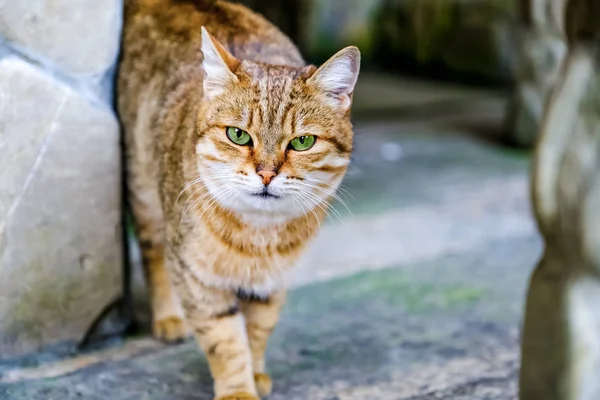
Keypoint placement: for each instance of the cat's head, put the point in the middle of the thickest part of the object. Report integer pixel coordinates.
(274, 142)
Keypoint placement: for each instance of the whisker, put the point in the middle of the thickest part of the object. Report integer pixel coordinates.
(212, 205)
(340, 186)
(303, 210)
(201, 179)
(333, 195)
(214, 201)
(318, 201)
(186, 210)
(329, 184)
(225, 181)
(186, 187)
(312, 211)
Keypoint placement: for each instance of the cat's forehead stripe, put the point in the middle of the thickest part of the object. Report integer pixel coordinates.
(285, 103)
(263, 85)
(275, 87)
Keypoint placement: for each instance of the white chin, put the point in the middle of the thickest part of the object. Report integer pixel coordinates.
(262, 211)
(267, 204)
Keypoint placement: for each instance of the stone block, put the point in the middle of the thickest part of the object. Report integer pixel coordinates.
(60, 234)
(80, 37)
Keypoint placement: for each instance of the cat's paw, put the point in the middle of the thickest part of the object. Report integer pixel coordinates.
(264, 385)
(239, 396)
(170, 329)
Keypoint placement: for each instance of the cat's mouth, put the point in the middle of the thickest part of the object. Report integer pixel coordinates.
(265, 194)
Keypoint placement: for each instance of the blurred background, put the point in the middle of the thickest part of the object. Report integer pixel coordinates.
(414, 289)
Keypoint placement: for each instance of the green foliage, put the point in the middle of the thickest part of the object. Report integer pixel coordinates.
(464, 37)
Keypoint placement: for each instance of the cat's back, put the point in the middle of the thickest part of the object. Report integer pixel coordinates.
(246, 34)
(163, 36)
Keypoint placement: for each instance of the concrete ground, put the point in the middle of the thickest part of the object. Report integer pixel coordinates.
(413, 292)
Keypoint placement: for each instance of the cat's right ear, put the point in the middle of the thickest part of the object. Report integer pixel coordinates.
(337, 77)
(218, 65)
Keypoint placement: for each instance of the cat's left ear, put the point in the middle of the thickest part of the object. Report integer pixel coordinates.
(337, 77)
(218, 65)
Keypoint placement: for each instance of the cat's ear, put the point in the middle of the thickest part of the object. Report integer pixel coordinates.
(218, 65)
(338, 76)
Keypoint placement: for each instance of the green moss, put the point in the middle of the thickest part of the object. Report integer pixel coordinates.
(462, 295)
(390, 287)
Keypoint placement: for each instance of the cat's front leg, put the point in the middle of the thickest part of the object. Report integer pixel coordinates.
(167, 317)
(218, 325)
(262, 315)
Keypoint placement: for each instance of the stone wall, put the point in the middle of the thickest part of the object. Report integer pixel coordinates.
(60, 189)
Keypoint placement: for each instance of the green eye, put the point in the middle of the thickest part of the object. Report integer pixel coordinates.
(238, 136)
(302, 143)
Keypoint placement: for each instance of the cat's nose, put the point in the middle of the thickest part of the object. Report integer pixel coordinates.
(267, 175)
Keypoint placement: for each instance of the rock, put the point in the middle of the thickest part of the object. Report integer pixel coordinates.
(81, 37)
(60, 234)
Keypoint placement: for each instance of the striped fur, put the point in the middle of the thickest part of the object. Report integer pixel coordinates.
(215, 254)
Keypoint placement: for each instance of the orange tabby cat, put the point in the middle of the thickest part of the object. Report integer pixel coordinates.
(235, 147)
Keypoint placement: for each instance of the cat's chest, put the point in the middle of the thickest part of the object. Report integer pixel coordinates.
(246, 250)
(243, 242)
(258, 263)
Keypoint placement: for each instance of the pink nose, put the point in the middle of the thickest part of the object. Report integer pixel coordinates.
(266, 175)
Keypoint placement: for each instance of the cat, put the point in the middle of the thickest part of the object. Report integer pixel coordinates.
(234, 148)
